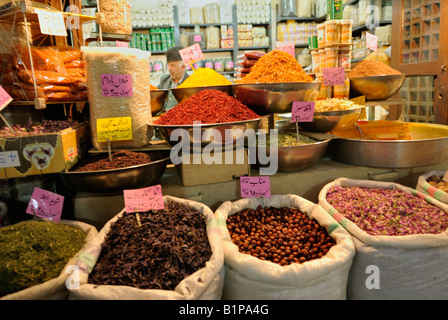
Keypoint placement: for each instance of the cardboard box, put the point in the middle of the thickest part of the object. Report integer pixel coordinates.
(193, 172)
(45, 153)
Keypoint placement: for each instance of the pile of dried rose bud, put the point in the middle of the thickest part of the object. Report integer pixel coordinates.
(380, 211)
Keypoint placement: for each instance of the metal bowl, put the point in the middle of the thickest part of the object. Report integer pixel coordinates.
(377, 87)
(114, 181)
(182, 94)
(329, 120)
(211, 135)
(294, 158)
(158, 99)
(428, 146)
(269, 98)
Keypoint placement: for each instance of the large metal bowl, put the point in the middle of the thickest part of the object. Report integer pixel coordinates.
(114, 181)
(212, 135)
(293, 158)
(377, 87)
(428, 146)
(269, 98)
(182, 94)
(158, 99)
(329, 120)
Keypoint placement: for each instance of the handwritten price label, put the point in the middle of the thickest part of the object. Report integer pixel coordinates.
(45, 204)
(255, 187)
(144, 199)
(302, 111)
(114, 129)
(286, 47)
(51, 22)
(333, 76)
(191, 54)
(5, 98)
(371, 41)
(9, 159)
(116, 85)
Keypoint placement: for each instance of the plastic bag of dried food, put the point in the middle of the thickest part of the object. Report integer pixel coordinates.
(403, 266)
(206, 283)
(44, 58)
(250, 278)
(435, 187)
(117, 16)
(119, 64)
(56, 288)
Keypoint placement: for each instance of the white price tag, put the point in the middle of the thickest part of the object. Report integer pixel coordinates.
(51, 23)
(9, 159)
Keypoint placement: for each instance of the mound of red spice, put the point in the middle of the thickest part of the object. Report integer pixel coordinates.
(207, 106)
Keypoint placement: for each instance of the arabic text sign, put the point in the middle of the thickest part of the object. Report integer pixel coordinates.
(191, 54)
(255, 187)
(114, 129)
(116, 85)
(302, 111)
(144, 199)
(45, 204)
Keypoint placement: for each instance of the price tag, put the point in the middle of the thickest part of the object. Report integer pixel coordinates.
(116, 85)
(333, 76)
(144, 199)
(371, 41)
(9, 159)
(191, 54)
(360, 101)
(5, 98)
(287, 47)
(45, 204)
(121, 44)
(114, 129)
(51, 22)
(255, 187)
(302, 111)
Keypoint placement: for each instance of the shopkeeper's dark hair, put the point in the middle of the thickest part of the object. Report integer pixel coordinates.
(173, 54)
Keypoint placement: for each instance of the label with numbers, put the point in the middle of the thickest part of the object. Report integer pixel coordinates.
(287, 47)
(333, 76)
(114, 129)
(371, 41)
(5, 98)
(116, 85)
(51, 22)
(45, 204)
(9, 159)
(191, 54)
(302, 111)
(255, 187)
(144, 199)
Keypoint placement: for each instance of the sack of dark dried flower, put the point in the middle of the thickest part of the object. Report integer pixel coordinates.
(432, 184)
(283, 247)
(401, 239)
(174, 253)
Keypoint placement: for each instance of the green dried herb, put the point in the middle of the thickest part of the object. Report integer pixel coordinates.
(35, 251)
(287, 139)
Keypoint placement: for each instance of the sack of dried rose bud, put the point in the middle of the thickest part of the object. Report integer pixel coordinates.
(431, 184)
(249, 277)
(146, 253)
(398, 248)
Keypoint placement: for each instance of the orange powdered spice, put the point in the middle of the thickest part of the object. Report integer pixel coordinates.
(153, 87)
(275, 67)
(366, 68)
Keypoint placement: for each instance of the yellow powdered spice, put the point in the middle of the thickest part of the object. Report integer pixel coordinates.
(204, 77)
(275, 67)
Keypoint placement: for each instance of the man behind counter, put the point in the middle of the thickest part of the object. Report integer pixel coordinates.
(177, 74)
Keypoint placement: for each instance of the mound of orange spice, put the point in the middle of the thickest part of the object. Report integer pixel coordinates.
(275, 67)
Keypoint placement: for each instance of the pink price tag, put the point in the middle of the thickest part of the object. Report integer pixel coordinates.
(5, 98)
(116, 85)
(302, 111)
(121, 44)
(371, 41)
(333, 76)
(255, 187)
(191, 54)
(144, 199)
(287, 47)
(45, 204)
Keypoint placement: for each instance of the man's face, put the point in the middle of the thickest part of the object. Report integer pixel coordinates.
(176, 69)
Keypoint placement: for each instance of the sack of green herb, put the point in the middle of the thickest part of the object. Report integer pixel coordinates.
(401, 238)
(283, 247)
(171, 253)
(432, 184)
(36, 257)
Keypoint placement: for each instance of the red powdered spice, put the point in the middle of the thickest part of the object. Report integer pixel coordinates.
(207, 106)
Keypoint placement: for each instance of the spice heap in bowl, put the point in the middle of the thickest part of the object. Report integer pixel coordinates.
(375, 80)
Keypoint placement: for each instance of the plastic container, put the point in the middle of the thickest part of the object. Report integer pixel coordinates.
(332, 32)
(322, 59)
(325, 92)
(332, 57)
(342, 91)
(346, 31)
(344, 57)
(316, 61)
(321, 35)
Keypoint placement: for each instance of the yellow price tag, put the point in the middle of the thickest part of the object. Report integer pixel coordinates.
(114, 129)
(361, 101)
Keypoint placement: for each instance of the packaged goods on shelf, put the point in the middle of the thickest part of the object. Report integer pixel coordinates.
(161, 14)
(225, 14)
(250, 12)
(298, 33)
(211, 13)
(196, 16)
(212, 37)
